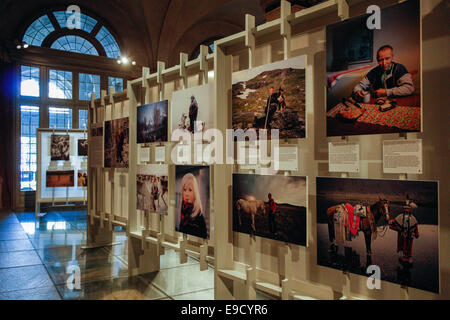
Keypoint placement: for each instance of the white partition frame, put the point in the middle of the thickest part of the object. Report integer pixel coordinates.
(244, 264)
(61, 200)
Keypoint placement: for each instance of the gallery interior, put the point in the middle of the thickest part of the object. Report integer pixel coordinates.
(227, 150)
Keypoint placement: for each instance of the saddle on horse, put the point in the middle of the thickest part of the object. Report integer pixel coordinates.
(348, 220)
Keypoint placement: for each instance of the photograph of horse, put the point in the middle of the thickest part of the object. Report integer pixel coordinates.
(270, 206)
(375, 215)
(392, 224)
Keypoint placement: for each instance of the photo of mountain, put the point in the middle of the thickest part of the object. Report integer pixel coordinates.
(271, 96)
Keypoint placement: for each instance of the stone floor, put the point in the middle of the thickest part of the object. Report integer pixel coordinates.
(36, 255)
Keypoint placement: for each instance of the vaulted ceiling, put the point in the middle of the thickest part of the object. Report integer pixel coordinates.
(147, 30)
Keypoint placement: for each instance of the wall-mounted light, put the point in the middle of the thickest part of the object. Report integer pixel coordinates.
(22, 45)
(125, 61)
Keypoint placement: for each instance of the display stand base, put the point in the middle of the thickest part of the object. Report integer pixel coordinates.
(98, 234)
(142, 258)
(100, 245)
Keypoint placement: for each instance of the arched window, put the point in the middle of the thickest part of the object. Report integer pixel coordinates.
(209, 43)
(38, 31)
(93, 37)
(57, 94)
(74, 44)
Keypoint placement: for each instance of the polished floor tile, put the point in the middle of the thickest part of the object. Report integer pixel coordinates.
(133, 288)
(17, 235)
(45, 293)
(25, 216)
(78, 225)
(90, 270)
(21, 278)
(11, 227)
(120, 247)
(8, 218)
(40, 241)
(181, 280)
(53, 242)
(15, 245)
(199, 295)
(171, 259)
(68, 253)
(19, 259)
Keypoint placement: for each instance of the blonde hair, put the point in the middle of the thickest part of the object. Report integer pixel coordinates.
(190, 178)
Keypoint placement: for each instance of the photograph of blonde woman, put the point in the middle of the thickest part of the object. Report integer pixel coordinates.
(192, 215)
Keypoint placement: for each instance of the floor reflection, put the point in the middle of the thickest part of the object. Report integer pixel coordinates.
(35, 255)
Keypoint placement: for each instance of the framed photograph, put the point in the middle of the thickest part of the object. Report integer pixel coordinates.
(272, 207)
(82, 178)
(192, 211)
(152, 122)
(56, 179)
(82, 147)
(116, 143)
(96, 140)
(392, 224)
(271, 96)
(374, 76)
(60, 147)
(193, 106)
(152, 188)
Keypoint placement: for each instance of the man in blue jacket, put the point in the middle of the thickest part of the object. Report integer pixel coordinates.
(388, 79)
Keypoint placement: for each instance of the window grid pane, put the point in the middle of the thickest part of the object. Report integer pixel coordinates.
(108, 42)
(83, 119)
(87, 23)
(74, 44)
(29, 81)
(59, 118)
(29, 122)
(60, 85)
(88, 84)
(116, 83)
(38, 31)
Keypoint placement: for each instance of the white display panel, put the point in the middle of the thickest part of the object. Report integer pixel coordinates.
(160, 154)
(402, 156)
(343, 157)
(288, 158)
(75, 162)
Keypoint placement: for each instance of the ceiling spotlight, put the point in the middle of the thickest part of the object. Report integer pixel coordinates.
(25, 45)
(119, 61)
(19, 47)
(133, 63)
(125, 60)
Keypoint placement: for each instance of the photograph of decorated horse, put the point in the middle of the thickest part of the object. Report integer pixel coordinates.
(270, 206)
(392, 224)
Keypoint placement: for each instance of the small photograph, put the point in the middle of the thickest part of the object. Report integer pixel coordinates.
(116, 143)
(192, 211)
(271, 96)
(82, 147)
(272, 207)
(191, 109)
(152, 188)
(152, 122)
(374, 76)
(82, 178)
(389, 223)
(60, 147)
(55, 179)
